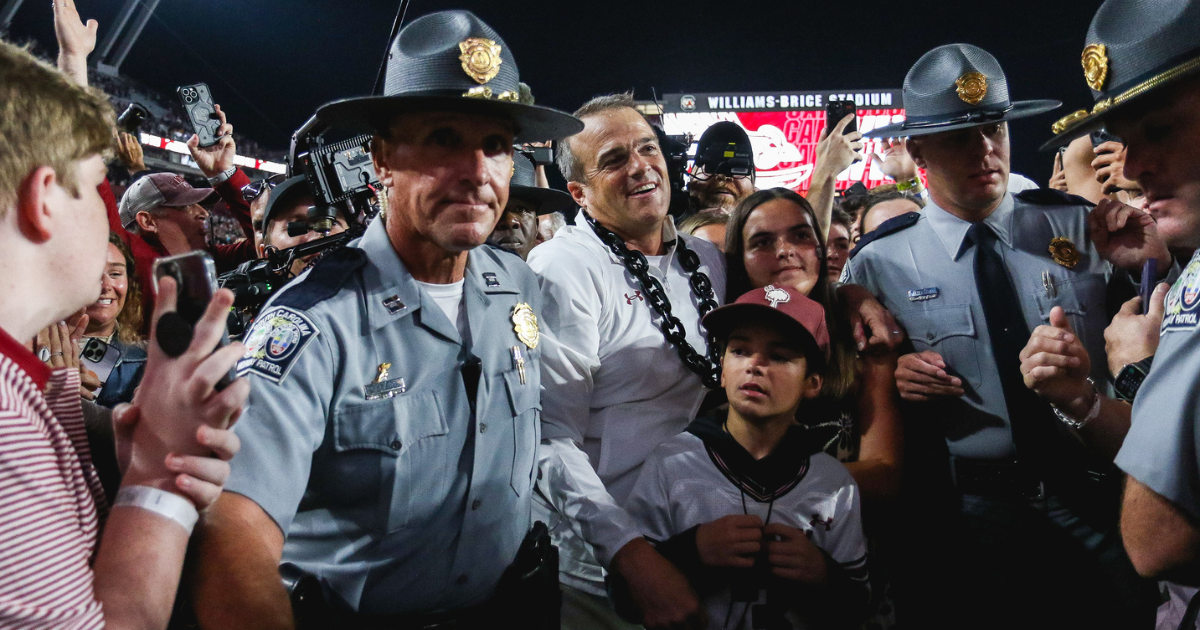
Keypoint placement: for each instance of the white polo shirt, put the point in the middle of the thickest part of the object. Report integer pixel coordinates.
(613, 388)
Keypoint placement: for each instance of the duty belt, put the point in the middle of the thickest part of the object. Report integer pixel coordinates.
(997, 478)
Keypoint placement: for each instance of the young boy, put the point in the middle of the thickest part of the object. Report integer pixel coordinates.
(767, 529)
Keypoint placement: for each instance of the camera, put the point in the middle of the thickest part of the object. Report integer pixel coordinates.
(132, 118)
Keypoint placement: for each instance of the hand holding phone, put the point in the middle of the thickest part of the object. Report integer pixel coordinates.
(195, 279)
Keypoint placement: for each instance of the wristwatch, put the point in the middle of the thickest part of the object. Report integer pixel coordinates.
(1130, 378)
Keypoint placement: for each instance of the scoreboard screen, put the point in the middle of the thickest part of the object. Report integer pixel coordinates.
(784, 129)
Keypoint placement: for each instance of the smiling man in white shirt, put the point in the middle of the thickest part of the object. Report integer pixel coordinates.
(614, 385)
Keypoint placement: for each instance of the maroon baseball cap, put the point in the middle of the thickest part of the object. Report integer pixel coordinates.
(793, 311)
(160, 189)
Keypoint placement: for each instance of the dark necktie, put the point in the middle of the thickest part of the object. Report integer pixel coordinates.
(1029, 416)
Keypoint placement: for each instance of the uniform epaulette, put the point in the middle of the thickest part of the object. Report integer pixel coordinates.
(325, 280)
(1051, 197)
(894, 224)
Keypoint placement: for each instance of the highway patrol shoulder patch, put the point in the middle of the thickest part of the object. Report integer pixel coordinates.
(278, 336)
(1182, 311)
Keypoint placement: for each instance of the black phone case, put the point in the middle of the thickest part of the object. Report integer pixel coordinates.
(196, 281)
(198, 105)
(837, 110)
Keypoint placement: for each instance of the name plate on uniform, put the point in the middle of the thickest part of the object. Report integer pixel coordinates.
(386, 389)
(921, 295)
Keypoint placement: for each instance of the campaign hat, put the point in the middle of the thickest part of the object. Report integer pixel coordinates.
(451, 61)
(1134, 48)
(800, 317)
(524, 186)
(957, 86)
(168, 190)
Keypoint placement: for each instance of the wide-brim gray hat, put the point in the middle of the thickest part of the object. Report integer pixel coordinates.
(451, 61)
(954, 87)
(1133, 48)
(524, 186)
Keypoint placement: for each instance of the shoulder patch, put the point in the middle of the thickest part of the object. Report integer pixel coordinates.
(325, 280)
(278, 336)
(1051, 197)
(1182, 310)
(894, 224)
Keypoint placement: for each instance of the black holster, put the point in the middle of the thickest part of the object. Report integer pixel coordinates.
(528, 591)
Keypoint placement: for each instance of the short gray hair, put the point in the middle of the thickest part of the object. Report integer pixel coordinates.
(568, 163)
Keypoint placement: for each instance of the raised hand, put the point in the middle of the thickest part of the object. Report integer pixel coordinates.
(835, 151)
(178, 406)
(896, 163)
(218, 158)
(1127, 237)
(76, 40)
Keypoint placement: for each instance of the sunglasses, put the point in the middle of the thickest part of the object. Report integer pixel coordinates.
(254, 190)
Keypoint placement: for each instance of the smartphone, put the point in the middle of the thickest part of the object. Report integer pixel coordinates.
(195, 277)
(198, 105)
(99, 357)
(1100, 136)
(837, 110)
(1147, 288)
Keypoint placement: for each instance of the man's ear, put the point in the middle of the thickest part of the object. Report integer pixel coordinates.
(914, 151)
(35, 216)
(578, 193)
(811, 388)
(145, 222)
(382, 172)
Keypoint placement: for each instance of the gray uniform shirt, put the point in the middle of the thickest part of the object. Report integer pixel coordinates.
(394, 493)
(1162, 449)
(925, 275)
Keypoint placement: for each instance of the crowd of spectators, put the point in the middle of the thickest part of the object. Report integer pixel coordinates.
(918, 407)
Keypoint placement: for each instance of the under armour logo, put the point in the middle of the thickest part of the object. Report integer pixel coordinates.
(817, 520)
(775, 295)
(637, 295)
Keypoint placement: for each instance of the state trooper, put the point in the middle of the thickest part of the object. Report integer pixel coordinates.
(390, 445)
(969, 278)
(1141, 63)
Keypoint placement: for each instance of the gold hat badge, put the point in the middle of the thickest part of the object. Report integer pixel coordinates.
(526, 325)
(972, 87)
(1063, 251)
(1095, 66)
(480, 58)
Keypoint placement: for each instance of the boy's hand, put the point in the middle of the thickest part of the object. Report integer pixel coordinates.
(795, 557)
(730, 541)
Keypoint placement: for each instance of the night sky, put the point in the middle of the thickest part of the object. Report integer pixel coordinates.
(271, 63)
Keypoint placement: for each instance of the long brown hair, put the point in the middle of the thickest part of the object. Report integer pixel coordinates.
(841, 374)
(129, 320)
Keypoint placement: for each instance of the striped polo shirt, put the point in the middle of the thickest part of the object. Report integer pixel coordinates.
(50, 497)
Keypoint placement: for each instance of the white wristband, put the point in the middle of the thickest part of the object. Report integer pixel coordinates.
(160, 502)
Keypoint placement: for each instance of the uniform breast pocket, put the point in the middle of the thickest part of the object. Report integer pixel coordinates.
(525, 400)
(1078, 295)
(950, 332)
(400, 444)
